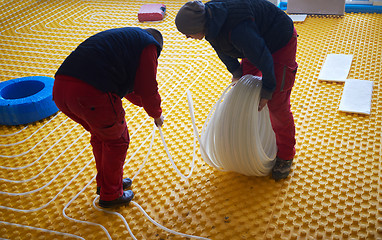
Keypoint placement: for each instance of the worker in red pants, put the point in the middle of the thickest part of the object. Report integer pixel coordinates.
(89, 86)
(264, 37)
(285, 68)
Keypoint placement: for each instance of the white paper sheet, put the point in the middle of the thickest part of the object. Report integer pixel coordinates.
(336, 67)
(356, 97)
(298, 17)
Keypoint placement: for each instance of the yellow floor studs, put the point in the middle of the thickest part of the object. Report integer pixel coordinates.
(47, 187)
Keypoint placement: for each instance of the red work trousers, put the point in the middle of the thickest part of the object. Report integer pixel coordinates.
(103, 116)
(285, 67)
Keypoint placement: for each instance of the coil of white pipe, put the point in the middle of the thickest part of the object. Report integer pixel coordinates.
(236, 136)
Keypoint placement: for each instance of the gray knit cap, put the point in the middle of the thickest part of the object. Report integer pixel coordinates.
(191, 18)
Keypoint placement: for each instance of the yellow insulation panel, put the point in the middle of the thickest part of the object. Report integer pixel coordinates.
(47, 171)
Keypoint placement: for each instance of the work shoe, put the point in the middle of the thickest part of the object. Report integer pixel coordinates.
(125, 199)
(126, 183)
(281, 169)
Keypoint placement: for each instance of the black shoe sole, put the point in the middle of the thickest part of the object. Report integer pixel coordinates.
(114, 205)
(117, 202)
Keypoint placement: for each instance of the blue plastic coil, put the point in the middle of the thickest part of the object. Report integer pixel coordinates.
(26, 100)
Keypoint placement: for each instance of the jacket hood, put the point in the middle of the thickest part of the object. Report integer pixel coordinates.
(216, 16)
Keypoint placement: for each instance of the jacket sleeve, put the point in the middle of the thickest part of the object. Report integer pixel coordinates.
(232, 64)
(134, 99)
(256, 51)
(145, 92)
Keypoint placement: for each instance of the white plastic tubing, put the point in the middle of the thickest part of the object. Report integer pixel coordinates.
(236, 136)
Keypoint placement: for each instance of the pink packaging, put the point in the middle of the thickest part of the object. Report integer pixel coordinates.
(151, 12)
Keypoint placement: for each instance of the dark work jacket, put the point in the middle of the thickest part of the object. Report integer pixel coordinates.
(252, 29)
(109, 60)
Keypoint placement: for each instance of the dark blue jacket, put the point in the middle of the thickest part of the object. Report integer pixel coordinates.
(109, 60)
(252, 29)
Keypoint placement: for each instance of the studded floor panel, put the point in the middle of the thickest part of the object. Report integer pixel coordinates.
(47, 172)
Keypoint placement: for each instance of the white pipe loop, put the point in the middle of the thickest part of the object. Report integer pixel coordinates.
(236, 136)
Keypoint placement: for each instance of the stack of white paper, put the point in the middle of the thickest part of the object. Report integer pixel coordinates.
(336, 67)
(298, 17)
(356, 97)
